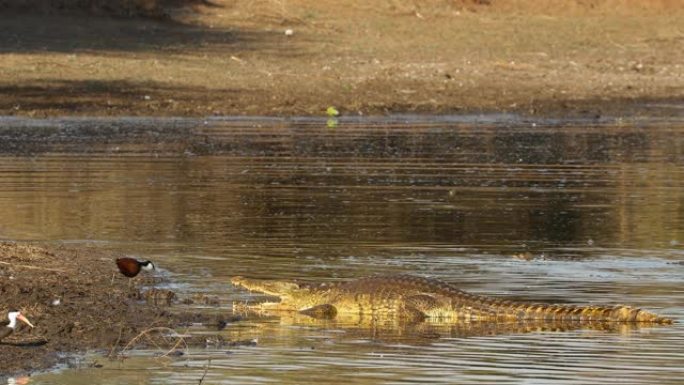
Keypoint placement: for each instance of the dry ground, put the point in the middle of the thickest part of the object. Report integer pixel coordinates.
(233, 57)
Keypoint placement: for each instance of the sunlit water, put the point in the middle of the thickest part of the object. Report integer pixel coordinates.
(599, 207)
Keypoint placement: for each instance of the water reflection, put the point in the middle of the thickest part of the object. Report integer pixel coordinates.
(283, 191)
(603, 204)
(396, 331)
(308, 356)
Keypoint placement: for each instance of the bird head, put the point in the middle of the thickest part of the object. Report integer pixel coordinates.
(147, 265)
(15, 315)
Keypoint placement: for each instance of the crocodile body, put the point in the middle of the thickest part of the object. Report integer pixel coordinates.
(417, 298)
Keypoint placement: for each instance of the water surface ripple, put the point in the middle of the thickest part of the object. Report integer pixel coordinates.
(546, 211)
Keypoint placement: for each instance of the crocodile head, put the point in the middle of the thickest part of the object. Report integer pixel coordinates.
(293, 296)
(282, 289)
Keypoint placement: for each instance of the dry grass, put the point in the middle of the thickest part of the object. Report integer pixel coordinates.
(166, 340)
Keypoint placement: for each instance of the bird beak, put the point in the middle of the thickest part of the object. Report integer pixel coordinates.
(25, 320)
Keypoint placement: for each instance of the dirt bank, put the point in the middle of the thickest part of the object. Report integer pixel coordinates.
(97, 306)
(298, 57)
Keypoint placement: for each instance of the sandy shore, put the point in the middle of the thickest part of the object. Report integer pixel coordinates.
(588, 58)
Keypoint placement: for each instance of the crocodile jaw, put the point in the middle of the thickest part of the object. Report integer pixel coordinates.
(293, 296)
(282, 289)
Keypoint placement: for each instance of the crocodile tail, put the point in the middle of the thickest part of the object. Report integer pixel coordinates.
(640, 315)
(522, 311)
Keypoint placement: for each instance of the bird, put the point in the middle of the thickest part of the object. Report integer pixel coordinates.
(130, 267)
(7, 327)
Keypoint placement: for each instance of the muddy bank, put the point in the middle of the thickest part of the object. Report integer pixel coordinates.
(98, 308)
(226, 57)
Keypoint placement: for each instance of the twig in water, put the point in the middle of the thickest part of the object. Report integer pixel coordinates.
(111, 352)
(206, 369)
(145, 334)
(173, 348)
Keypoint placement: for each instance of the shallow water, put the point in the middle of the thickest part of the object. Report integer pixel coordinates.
(599, 207)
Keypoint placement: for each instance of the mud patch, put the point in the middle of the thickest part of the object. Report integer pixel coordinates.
(75, 298)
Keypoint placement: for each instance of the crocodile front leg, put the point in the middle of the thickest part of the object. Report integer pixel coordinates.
(325, 311)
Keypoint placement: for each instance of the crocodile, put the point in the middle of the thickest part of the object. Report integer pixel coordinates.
(415, 298)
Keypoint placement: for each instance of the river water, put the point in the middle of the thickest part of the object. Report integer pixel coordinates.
(553, 211)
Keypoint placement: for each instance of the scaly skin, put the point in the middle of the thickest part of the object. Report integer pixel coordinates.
(417, 298)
